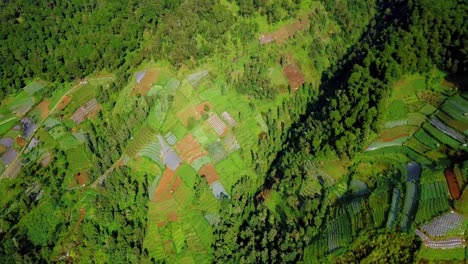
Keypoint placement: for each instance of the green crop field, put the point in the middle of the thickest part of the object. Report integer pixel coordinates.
(78, 159)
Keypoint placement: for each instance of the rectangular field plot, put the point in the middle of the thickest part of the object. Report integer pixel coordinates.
(449, 223)
(144, 135)
(187, 174)
(21, 104)
(461, 127)
(440, 136)
(33, 88)
(81, 96)
(68, 141)
(78, 159)
(189, 149)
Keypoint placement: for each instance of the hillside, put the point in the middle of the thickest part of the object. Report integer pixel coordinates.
(233, 131)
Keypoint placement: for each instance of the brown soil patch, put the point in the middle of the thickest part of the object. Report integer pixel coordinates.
(145, 84)
(162, 223)
(20, 141)
(2, 149)
(81, 178)
(200, 109)
(44, 108)
(209, 172)
(189, 149)
(172, 216)
(452, 184)
(162, 191)
(281, 35)
(82, 215)
(63, 102)
(294, 75)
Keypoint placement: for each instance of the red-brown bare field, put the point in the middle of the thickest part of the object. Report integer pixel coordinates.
(81, 178)
(2, 149)
(452, 184)
(209, 172)
(162, 223)
(161, 193)
(284, 33)
(63, 102)
(294, 75)
(189, 149)
(172, 216)
(20, 141)
(200, 109)
(44, 108)
(145, 84)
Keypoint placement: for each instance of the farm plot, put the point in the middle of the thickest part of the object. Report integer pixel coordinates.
(68, 141)
(9, 156)
(187, 174)
(433, 200)
(78, 160)
(228, 118)
(425, 138)
(440, 136)
(411, 199)
(81, 96)
(449, 223)
(204, 134)
(447, 130)
(21, 104)
(172, 85)
(417, 146)
(459, 126)
(44, 108)
(163, 190)
(143, 136)
(216, 151)
(64, 101)
(170, 138)
(294, 75)
(189, 149)
(33, 88)
(209, 94)
(230, 143)
(170, 158)
(90, 108)
(217, 124)
(144, 81)
(455, 110)
(186, 114)
(153, 152)
(452, 184)
(7, 124)
(339, 231)
(209, 172)
(196, 78)
(393, 208)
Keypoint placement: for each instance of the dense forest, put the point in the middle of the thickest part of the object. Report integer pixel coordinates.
(396, 43)
(356, 51)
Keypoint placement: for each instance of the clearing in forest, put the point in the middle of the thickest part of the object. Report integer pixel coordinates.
(284, 33)
(294, 75)
(145, 80)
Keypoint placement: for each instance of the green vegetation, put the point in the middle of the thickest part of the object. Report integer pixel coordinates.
(230, 131)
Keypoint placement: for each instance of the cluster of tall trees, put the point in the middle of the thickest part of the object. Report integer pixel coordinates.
(346, 112)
